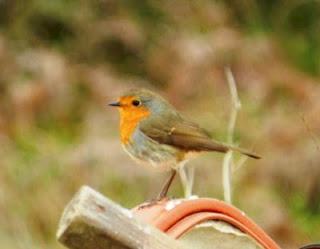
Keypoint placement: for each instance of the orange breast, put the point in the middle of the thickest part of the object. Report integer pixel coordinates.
(129, 119)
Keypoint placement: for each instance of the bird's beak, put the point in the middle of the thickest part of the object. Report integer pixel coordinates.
(117, 104)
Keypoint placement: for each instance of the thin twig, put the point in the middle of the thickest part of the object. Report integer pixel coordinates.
(228, 159)
(186, 173)
(240, 163)
(236, 104)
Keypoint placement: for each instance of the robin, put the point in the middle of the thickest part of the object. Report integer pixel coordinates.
(153, 132)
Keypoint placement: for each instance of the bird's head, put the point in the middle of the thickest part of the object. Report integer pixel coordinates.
(138, 105)
(141, 103)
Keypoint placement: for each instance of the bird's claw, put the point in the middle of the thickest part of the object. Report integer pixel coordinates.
(154, 202)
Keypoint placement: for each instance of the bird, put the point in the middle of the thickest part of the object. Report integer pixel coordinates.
(154, 133)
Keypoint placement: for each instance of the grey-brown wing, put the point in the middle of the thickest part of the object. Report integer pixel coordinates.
(176, 131)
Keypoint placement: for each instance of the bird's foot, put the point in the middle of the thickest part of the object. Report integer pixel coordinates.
(153, 202)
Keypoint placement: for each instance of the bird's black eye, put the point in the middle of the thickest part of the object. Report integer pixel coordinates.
(136, 102)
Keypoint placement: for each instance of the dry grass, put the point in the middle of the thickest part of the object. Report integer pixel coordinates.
(56, 133)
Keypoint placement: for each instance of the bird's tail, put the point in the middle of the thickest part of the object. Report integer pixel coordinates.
(212, 145)
(244, 152)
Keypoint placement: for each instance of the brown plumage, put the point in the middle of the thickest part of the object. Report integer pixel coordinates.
(172, 129)
(154, 133)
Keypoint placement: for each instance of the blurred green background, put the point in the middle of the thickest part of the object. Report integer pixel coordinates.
(62, 61)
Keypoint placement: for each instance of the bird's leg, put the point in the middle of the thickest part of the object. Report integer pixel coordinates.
(166, 186)
(163, 192)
